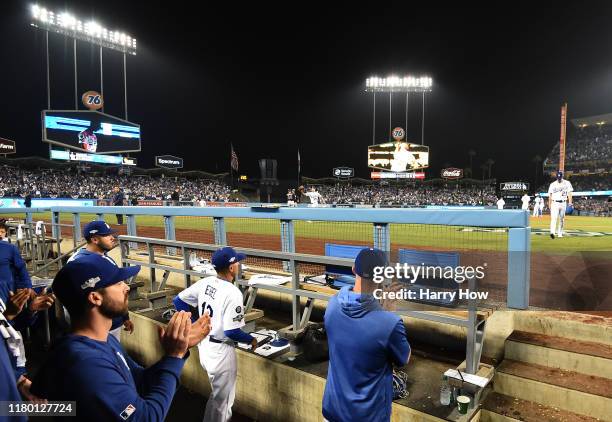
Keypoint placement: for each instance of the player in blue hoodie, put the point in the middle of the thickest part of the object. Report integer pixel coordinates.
(364, 343)
(89, 366)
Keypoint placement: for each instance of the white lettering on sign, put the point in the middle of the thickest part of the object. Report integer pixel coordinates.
(452, 173)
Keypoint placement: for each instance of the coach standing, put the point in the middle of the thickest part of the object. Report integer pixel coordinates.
(364, 343)
(117, 201)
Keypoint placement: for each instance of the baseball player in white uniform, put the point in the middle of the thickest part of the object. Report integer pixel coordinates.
(222, 300)
(559, 196)
(538, 205)
(500, 203)
(526, 199)
(314, 196)
(403, 159)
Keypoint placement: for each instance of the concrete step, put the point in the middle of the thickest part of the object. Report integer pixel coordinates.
(578, 326)
(585, 357)
(501, 408)
(586, 395)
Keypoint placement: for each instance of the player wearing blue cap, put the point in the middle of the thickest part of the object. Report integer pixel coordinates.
(101, 239)
(88, 366)
(222, 300)
(559, 197)
(364, 343)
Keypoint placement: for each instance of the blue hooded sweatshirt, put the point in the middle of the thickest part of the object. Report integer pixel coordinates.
(364, 342)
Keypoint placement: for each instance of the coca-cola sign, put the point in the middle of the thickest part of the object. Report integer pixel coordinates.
(451, 173)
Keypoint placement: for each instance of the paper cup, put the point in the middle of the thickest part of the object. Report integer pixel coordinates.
(463, 402)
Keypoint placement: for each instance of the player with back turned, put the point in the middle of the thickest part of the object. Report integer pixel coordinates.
(559, 197)
(222, 300)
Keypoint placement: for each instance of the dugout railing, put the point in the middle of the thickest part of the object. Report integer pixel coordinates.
(514, 222)
(475, 326)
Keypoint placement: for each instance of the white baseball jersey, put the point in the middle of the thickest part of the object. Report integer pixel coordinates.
(539, 202)
(402, 160)
(559, 190)
(526, 199)
(314, 197)
(501, 203)
(223, 301)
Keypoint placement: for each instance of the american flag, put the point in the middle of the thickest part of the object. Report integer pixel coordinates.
(234, 162)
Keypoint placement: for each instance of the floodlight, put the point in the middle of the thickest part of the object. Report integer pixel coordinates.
(67, 24)
(394, 83)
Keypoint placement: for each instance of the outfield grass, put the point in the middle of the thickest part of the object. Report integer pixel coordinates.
(441, 237)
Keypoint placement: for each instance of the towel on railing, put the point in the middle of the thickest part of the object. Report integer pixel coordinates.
(40, 228)
(268, 279)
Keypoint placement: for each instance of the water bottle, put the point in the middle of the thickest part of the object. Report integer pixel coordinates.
(445, 392)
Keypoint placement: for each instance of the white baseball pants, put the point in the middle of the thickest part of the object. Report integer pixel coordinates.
(219, 361)
(557, 214)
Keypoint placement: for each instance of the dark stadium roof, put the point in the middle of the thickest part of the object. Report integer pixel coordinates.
(605, 119)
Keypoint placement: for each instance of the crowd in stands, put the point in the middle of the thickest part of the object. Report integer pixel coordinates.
(594, 206)
(593, 143)
(592, 182)
(68, 184)
(415, 195)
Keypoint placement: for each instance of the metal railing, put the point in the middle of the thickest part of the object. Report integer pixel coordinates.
(475, 327)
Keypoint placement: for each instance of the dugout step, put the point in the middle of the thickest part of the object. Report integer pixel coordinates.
(567, 390)
(572, 325)
(585, 357)
(501, 408)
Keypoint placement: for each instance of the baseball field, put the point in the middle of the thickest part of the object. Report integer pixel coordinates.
(582, 233)
(566, 273)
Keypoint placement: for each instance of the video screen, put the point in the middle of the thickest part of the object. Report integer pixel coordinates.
(92, 158)
(398, 156)
(90, 131)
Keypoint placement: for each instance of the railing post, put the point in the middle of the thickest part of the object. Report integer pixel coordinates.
(55, 221)
(219, 231)
(28, 218)
(382, 237)
(131, 229)
(287, 240)
(100, 217)
(170, 232)
(56, 232)
(519, 249)
(76, 227)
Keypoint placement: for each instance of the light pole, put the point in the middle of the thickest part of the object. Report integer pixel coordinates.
(393, 84)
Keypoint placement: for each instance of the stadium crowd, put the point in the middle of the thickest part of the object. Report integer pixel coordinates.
(61, 184)
(591, 182)
(408, 195)
(587, 144)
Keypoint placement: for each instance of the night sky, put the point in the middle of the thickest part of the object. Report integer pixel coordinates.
(272, 78)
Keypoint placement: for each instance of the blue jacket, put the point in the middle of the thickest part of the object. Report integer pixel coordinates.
(8, 386)
(106, 384)
(13, 272)
(364, 342)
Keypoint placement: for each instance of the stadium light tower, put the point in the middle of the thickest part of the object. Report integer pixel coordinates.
(391, 84)
(66, 24)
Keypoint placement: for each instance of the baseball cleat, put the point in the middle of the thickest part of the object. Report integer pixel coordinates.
(552, 235)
